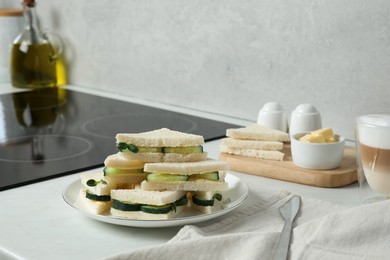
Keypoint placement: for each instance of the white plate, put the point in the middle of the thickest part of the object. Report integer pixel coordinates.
(237, 193)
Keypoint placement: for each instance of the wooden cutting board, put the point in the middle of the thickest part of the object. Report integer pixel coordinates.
(287, 171)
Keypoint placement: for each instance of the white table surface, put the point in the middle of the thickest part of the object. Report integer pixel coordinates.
(36, 223)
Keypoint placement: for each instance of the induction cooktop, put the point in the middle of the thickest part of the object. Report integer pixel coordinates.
(53, 132)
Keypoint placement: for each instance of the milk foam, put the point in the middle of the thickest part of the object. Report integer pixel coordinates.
(374, 130)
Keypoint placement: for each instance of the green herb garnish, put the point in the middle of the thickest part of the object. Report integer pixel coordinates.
(93, 183)
(132, 148)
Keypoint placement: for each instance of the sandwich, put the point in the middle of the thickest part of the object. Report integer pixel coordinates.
(95, 194)
(162, 145)
(255, 141)
(208, 175)
(122, 173)
(147, 205)
(118, 173)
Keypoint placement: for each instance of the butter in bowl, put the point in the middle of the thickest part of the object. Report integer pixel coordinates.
(317, 150)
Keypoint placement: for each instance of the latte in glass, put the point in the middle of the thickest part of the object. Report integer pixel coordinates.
(373, 139)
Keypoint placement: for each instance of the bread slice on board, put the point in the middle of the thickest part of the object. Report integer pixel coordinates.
(252, 144)
(261, 154)
(258, 132)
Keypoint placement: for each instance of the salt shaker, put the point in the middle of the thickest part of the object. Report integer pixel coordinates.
(272, 115)
(305, 118)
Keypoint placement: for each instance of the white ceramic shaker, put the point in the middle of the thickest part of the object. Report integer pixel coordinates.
(272, 115)
(305, 118)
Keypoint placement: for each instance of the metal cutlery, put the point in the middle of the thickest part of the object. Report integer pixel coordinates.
(288, 211)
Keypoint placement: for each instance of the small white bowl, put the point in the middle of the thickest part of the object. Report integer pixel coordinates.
(317, 156)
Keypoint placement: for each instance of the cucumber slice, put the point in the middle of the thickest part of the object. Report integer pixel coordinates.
(212, 176)
(181, 202)
(157, 209)
(91, 196)
(163, 209)
(165, 177)
(217, 196)
(125, 205)
(204, 202)
(150, 149)
(183, 150)
(132, 148)
(123, 147)
(109, 171)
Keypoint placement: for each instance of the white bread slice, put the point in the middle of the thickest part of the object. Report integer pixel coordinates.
(208, 195)
(187, 168)
(252, 144)
(144, 157)
(195, 185)
(163, 137)
(261, 154)
(175, 157)
(95, 207)
(167, 157)
(147, 197)
(258, 132)
(100, 188)
(120, 162)
(144, 216)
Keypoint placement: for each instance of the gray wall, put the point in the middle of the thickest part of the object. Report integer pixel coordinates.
(230, 57)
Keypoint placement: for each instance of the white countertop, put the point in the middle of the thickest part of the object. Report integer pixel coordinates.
(36, 223)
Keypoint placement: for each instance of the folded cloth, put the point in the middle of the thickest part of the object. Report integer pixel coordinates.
(322, 230)
(361, 232)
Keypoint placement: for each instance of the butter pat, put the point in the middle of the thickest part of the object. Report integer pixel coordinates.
(327, 133)
(309, 138)
(333, 139)
(324, 135)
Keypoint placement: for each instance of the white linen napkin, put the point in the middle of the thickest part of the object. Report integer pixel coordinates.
(322, 231)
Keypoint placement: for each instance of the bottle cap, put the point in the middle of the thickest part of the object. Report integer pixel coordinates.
(29, 3)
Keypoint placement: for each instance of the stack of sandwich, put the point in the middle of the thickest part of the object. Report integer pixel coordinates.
(255, 141)
(154, 176)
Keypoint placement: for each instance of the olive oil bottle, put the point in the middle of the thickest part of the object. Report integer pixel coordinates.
(34, 60)
(33, 68)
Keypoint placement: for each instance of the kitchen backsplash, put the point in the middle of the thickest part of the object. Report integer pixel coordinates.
(230, 57)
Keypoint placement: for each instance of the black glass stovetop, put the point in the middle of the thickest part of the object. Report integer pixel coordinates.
(52, 132)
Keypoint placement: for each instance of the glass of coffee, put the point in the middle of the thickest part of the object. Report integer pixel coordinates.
(372, 134)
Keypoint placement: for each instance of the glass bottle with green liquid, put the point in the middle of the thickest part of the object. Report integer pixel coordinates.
(35, 61)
